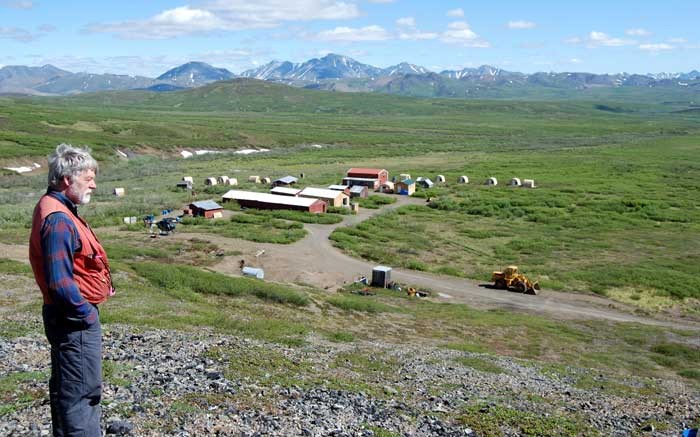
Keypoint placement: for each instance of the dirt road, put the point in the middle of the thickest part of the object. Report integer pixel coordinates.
(314, 261)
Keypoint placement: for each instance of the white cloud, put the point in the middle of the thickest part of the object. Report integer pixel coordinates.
(637, 32)
(600, 39)
(521, 24)
(381, 1)
(677, 40)
(460, 33)
(575, 61)
(406, 21)
(414, 34)
(655, 48)
(596, 39)
(273, 12)
(18, 4)
(367, 33)
(227, 15)
(459, 12)
(23, 35)
(17, 34)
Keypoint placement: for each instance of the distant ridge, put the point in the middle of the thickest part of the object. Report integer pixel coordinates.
(335, 72)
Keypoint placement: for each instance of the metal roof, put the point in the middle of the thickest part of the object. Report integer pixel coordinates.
(365, 170)
(207, 205)
(287, 180)
(323, 193)
(338, 187)
(268, 198)
(285, 190)
(407, 181)
(357, 188)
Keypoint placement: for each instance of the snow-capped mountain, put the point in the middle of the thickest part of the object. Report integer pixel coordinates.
(338, 73)
(330, 66)
(194, 74)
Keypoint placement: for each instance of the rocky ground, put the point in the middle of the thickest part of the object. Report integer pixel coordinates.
(191, 384)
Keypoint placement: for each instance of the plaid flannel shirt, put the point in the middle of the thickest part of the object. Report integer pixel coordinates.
(59, 241)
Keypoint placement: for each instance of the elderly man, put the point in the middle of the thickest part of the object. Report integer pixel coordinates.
(70, 266)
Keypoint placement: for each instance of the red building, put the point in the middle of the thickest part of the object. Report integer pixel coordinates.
(369, 173)
(206, 209)
(251, 199)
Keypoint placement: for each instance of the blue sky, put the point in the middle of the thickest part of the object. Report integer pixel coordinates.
(149, 37)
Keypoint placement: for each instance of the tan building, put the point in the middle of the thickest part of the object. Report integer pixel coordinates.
(333, 197)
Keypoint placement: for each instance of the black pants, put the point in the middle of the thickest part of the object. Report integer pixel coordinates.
(75, 387)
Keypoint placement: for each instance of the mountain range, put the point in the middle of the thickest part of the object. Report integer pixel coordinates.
(339, 73)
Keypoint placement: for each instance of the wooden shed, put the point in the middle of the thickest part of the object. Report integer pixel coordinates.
(207, 209)
(285, 181)
(404, 176)
(406, 187)
(360, 191)
(333, 197)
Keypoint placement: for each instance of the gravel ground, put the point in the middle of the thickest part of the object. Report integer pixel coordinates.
(179, 383)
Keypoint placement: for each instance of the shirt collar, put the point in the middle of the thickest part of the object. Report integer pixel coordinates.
(63, 199)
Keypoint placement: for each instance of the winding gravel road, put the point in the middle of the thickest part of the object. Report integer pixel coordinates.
(314, 261)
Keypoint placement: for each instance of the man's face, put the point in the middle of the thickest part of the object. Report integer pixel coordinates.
(80, 187)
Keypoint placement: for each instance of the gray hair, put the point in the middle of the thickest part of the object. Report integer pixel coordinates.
(69, 161)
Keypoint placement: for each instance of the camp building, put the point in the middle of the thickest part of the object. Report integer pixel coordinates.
(285, 191)
(252, 199)
(207, 209)
(333, 197)
(285, 181)
(371, 178)
(406, 187)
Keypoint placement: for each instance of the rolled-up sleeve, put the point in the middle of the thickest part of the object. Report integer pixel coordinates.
(59, 241)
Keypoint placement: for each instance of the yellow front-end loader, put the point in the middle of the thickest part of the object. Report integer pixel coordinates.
(510, 279)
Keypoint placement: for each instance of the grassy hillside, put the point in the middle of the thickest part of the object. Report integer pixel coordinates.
(615, 212)
(244, 113)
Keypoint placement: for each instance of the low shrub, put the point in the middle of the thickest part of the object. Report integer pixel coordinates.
(191, 279)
